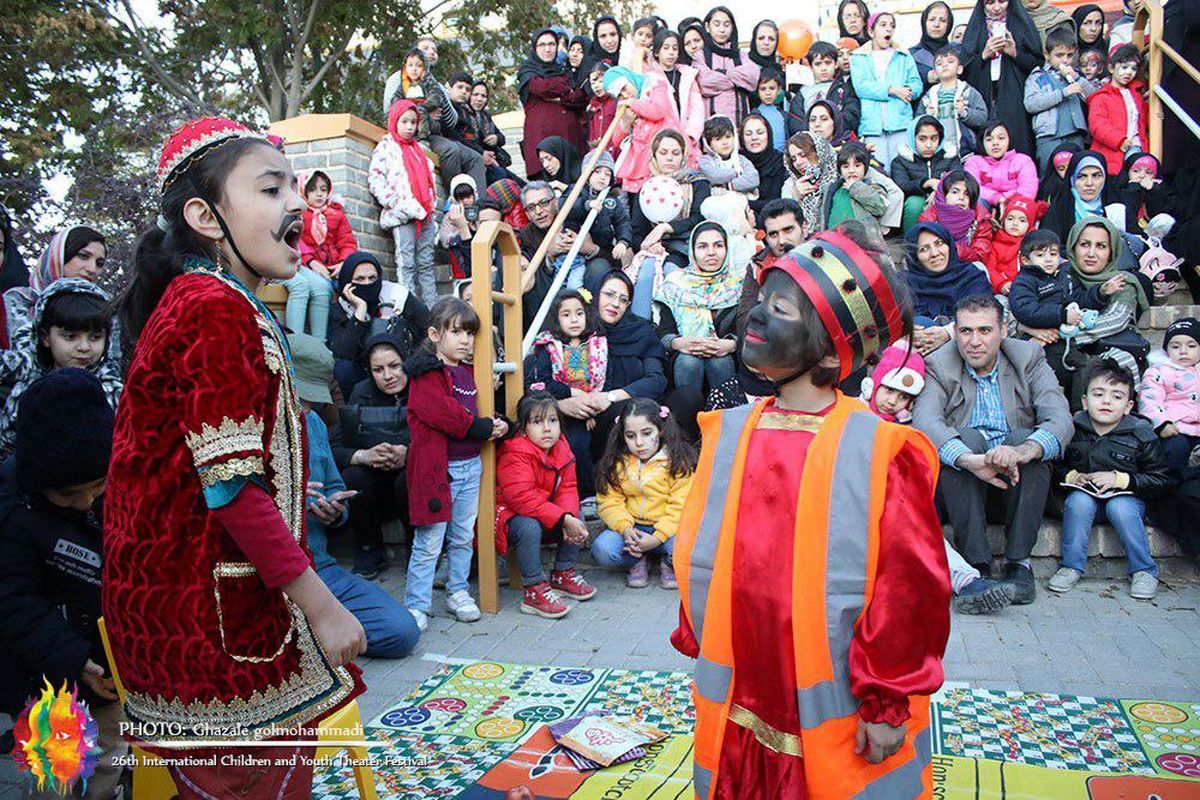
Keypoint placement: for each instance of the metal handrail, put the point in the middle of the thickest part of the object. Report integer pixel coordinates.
(489, 235)
(1152, 13)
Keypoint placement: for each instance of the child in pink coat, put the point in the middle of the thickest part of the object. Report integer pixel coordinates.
(649, 98)
(1001, 172)
(668, 45)
(724, 68)
(1170, 392)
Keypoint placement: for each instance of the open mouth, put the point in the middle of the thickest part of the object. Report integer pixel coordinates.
(292, 237)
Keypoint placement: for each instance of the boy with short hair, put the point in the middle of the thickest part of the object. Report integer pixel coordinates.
(920, 164)
(458, 225)
(1055, 94)
(1113, 464)
(771, 100)
(853, 196)
(1117, 114)
(1044, 296)
(53, 560)
(831, 73)
(721, 164)
(955, 103)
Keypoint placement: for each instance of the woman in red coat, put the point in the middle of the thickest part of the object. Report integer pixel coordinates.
(539, 498)
(221, 630)
(551, 104)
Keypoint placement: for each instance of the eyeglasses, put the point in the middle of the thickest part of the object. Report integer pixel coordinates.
(618, 298)
(540, 204)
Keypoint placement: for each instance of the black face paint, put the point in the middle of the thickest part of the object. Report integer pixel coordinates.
(288, 219)
(776, 346)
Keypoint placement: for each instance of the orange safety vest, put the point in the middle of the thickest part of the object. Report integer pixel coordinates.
(836, 551)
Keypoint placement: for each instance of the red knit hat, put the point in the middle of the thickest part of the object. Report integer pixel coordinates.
(194, 137)
(850, 293)
(1033, 210)
(900, 368)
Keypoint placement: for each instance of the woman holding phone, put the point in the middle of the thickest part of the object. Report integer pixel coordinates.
(1001, 47)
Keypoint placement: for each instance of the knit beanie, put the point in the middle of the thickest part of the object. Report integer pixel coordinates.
(1188, 326)
(899, 368)
(64, 431)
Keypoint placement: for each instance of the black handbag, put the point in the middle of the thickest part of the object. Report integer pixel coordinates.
(363, 427)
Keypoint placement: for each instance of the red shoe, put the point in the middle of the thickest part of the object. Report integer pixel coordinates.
(572, 584)
(543, 601)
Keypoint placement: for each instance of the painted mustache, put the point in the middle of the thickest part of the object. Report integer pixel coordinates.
(288, 221)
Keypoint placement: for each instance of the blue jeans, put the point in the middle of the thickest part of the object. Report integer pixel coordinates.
(459, 534)
(643, 287)
(307, 309)
(608, 550)
(525, 536)
(391, 630)
(696, 372)
(1125, 512)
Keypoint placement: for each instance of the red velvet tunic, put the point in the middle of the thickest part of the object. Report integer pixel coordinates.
(202, 644)
(897, 650)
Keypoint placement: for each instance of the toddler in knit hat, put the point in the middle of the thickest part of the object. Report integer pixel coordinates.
(895, 383)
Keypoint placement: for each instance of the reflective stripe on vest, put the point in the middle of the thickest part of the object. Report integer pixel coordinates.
(701, 780)
(845, 569)
(906, 779)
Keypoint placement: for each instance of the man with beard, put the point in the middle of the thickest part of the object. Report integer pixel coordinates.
(814, 585)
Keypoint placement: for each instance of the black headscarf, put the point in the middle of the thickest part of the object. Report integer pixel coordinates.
(1050, 184)
(841, 134)
(630, 336)
(598, 52)
(580, 74)
(568, 158)
(758, 58)
(1009, 102)
(1061, 215)
(534, 67)
(711, 48)
(863, 37)
(15, 272)
(365, 291)
(698, 26)
(1079, 15)
(928, 42)
(935, 294)
(772, 172)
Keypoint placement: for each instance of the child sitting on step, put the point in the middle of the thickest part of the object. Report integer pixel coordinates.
(642, 481)
(1170, 392)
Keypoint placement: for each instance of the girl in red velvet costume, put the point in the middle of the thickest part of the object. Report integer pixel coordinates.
(221, 630)
(815, 593)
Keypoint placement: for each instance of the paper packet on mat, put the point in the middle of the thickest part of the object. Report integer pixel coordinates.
(602, 739)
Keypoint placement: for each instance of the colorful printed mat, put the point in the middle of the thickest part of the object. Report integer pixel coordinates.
(474, 731)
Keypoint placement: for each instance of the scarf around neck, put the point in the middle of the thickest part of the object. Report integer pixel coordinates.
(534, 67)
(693, 295)
(958, 221)
(729, 50)
(416, 165)
(1132, 291)
(936, 293)
(928, 42)
(768, 60)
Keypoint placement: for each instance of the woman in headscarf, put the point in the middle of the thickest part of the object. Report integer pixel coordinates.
(1053, 178)
(560, 162)
(544, 87)
(684, 84)
(1000, 48)
(649, 98)
(852, 16)
(606, 41)
(812, 165)
(1089, 28)
(697, 308)
(669, 240)
(727, 75)
(937, 279)
(693, 40)
(937, 20)
(764, 44)
(15, 273)
(1081, 195)
(755, 136)
(579, 60)
(1045, 16)
(75, 252)
(486, 132)
(826, 122)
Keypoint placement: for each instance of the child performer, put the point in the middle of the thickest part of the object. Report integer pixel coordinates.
(221, 629)
(807, 547)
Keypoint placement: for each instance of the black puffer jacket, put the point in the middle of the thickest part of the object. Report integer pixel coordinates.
(1132, 448)
(910, 171)
(1039, 300)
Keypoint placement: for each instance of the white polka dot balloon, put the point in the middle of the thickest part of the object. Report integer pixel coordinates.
(661, 199)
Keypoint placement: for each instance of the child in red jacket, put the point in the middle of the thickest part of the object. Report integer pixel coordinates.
(325, 242)
(443, 467)
(1019, 216)
(1117, 114)
(539, 499)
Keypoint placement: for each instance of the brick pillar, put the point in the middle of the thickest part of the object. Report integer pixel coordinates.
(341, 145)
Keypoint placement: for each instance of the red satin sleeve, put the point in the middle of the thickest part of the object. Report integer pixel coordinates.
(683, 639)
(898, 647)
(255, 524)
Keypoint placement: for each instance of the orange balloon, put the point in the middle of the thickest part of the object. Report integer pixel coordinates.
(795, 37)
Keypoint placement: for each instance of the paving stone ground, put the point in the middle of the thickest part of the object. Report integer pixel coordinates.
(1093, 641)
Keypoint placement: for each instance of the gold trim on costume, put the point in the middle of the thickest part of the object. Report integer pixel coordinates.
(229, 437)
(769, 737)
(242, 569)
(211, 475)
(790, 422)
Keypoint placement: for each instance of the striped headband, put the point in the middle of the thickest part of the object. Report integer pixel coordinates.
(850, 293)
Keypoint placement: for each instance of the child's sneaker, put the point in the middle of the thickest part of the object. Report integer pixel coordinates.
(1064, 580)
(572, 584)
(1143, 586)
(543, 601)
(462, 606)
(587, 508)
(421, 618)
(639, 575)
(666, 574)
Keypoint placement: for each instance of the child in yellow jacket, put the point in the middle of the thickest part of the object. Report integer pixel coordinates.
(642, 482)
